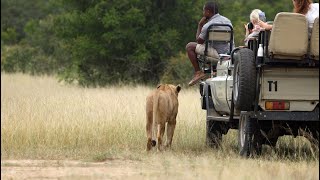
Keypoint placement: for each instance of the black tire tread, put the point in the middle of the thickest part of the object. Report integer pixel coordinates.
(213, 134)
(253, 143)
(247, 79)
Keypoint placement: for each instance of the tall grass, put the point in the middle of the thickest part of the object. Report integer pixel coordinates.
(41, 116)
(44, 119)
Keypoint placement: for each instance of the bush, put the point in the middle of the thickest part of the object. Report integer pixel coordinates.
(26, 59)
(14, 58)
(179, 70)
(9, 36)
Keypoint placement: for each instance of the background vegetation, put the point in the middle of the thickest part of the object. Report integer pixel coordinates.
(100, 42)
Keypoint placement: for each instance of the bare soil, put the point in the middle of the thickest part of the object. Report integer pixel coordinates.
(66, 169)
(159, 167)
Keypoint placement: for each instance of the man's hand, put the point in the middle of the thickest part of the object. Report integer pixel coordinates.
(203, 21)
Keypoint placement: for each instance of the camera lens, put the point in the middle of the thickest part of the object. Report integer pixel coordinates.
(250, 26)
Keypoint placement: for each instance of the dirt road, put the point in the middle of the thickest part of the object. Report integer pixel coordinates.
(160, 168)
(55, 169)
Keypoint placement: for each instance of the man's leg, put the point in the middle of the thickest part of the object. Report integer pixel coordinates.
(191, 51)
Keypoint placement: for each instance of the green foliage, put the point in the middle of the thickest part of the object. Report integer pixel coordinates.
(9, 35)
(15, 59)
(120, 41)
(178, 71)
(15, 14)
(25, 59)
(97, 42)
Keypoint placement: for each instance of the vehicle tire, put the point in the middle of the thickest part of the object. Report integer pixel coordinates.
(272, 141)
(249, 137)
(213, 133)
(244, 80)
(214, 129)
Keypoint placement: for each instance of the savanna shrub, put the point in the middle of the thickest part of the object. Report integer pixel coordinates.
(179, 70)
(26, 59)
(15, 58)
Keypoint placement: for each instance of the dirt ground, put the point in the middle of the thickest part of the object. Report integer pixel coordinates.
(62, 169)
(159, 168)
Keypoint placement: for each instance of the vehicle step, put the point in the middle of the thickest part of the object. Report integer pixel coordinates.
(222, 118)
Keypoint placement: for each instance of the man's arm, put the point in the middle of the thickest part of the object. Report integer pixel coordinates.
(200, 25)
(198, 31)
(265, 25)
(199, 40)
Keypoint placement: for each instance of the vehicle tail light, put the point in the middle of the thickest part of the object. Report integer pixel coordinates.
(277, 105)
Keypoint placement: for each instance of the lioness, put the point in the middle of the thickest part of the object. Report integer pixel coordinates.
(161, 108)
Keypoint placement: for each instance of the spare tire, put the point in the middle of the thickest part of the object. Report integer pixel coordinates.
(244, 80)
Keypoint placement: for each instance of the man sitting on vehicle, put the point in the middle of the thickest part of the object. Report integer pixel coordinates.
(210, 15)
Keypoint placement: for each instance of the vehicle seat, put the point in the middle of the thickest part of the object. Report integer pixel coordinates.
(216, 33)
(314, 40)
(289, 37)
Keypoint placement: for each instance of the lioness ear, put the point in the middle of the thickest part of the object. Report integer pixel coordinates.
(178, 88)
(159, 85)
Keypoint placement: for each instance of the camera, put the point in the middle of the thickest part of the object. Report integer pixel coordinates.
(250, 26)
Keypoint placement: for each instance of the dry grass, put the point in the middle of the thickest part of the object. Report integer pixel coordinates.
(44, 119)
(38, 114)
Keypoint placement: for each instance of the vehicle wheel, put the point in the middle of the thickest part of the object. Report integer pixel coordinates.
(214, 129)
(244, 80)
(213, 133)
(249, 138)
(272, 141)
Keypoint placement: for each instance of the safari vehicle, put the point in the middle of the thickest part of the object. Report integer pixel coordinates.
(265, 93)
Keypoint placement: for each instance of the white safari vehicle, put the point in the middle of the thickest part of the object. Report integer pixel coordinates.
(266, 90)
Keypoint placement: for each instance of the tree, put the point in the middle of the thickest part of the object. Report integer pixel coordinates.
(122, 40)
(15, 14)
(99, 42)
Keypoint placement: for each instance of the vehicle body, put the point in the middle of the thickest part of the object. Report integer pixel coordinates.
(266, 94)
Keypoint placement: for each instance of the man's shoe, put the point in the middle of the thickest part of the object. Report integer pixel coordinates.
(197, 76)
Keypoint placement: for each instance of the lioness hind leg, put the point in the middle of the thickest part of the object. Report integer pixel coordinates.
(170, 131)
(161, 129)
(149, 144)
(149, 129)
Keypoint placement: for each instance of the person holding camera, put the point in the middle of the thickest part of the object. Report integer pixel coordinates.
(305, 7)
(253, 28)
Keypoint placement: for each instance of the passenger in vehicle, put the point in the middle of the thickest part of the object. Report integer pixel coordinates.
(255, 16)
(210, 15)
(305, 7)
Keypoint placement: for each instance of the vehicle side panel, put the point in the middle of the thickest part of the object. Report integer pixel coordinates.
(221, 88)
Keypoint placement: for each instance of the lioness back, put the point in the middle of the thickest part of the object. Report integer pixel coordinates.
(161, 107)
